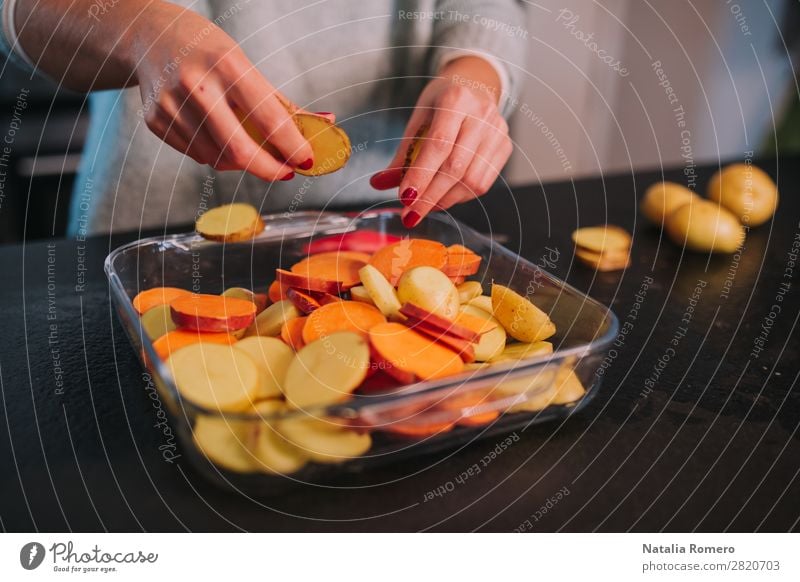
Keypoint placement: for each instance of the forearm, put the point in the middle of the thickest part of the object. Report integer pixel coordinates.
(475, 73)
(89, 45)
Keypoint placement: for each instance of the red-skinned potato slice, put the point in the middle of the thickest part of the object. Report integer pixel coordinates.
(289, 279)
(435, 322)
(156, 296)
(212, 313)
(365, 241)
(276, 292)
(460, 264)
(462, 347)
(304, 301)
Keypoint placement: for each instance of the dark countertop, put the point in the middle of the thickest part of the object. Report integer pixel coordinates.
(710, 444)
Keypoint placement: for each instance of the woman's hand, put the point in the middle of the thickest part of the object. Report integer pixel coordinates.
(466, 145)
(194, 79)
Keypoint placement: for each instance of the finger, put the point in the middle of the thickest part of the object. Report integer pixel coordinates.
(267, 110)
(464, 192)
(202, 147)
(436, 148)
(239, 150)
(457, 195)
(387, 179)
(470, 136)
(490, 158)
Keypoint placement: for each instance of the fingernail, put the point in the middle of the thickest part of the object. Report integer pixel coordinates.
(408, 196)
(386, 179)
(411, 219)
(307, 164)
(288, 176)
(323, 113)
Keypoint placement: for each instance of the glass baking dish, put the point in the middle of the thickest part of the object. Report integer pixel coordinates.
(505, 396)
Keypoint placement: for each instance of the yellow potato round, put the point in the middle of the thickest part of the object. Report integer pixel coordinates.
(602, 239)
(430, 289)
(491, 343)
(327, 370)
(215, 376)
(521, 319)
(272, 358)
(523, 351)
(230, 223)
(225, 443)
(747, 191)
(482, 302)
(361, 294)
(269, 322)
(662, 198)
(705, 226)
(380, 290)
(323, 441)
(157, 321)
(469, 290)
(273, 452)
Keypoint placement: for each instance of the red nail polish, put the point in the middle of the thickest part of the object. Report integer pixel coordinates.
(323, 113)
(408, 196)
(411, 219)
(386, 179)
(288, 176)
(307, 164)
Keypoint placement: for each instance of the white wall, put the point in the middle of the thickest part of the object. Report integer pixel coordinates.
(728, 74)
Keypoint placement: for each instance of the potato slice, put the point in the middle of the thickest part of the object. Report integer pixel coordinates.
(214, 376)
(157, 321)
(603, 261)
(601, 239)
(747, 191)
(429, 288)
(260, 299)
(269, 322)
(361, 294)
(468, 291)
(225, 443)
(522, 351)
(272, 358)
(230, 223)
(521, 319)
(492, 342)
(568, 387)
(662, 198)
(326, 371)
(705, 226)
(274, 453)
(324, 441)
(380, 290)
(482, 302)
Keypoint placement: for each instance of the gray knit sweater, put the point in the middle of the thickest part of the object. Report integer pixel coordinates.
(364, 60)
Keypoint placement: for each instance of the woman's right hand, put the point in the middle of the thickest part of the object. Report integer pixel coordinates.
(194, 79)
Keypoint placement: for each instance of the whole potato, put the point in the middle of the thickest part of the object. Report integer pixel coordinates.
(662, 198)
(705, 226)
(430, 289)
(745, 190)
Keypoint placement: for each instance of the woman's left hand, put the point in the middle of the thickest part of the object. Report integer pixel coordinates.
(462, 153)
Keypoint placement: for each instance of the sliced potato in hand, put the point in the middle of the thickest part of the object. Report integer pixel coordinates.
(272, 358)
(214, 376)
(269, 322)
(380, 290)
(225, 443)
(230, 223)
(327, 370)
(157, 321)
(323, 441)
(521, 319)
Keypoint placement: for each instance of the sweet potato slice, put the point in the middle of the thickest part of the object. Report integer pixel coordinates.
(467, 403)
(212, 313)
(292, 332)
(365, 241)
(341, 316)
(327, 371)
(230, 223)
(436, 322)
(461, 263)
(175, 340)
(276, 292)
(260, 299)
(303, 300)
(393, 260)
(462, 347)
(216, 377)
(149, 298)
(409, 351)
(341, 267)
(309, 283)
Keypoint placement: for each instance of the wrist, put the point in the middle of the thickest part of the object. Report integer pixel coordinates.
(474, 73)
